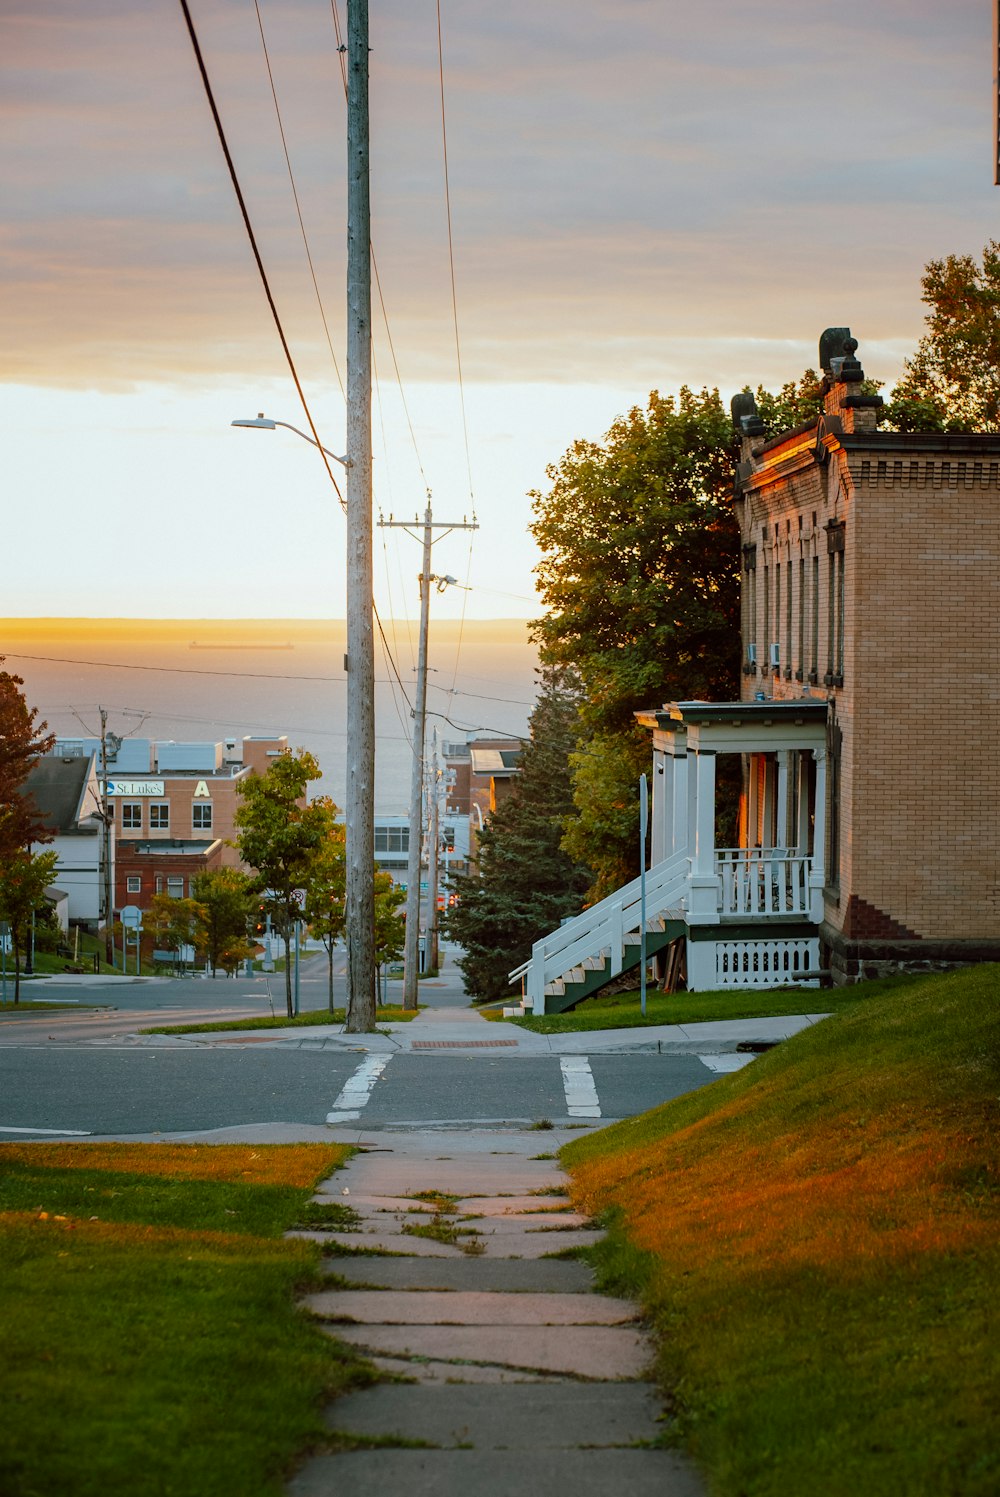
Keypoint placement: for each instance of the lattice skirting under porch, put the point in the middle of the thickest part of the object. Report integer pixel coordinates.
(767, 964)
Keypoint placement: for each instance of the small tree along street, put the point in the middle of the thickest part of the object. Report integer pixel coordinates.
(225, 897)
(526, 882)
(24, 877)
(279, 836)
(325, 890)
(390, 922)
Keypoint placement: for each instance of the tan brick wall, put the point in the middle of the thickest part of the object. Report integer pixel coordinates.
(918, 709)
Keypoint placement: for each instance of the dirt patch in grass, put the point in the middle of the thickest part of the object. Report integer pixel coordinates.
(816, 1238)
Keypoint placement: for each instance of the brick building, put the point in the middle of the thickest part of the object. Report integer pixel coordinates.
(866, 733)
(173, 806)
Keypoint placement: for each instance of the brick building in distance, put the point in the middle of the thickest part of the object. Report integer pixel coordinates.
(867, 728)
(173, 806)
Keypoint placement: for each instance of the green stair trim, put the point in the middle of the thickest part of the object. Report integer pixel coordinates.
(593, 982)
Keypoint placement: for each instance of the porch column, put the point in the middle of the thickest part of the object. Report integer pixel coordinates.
(817, 870)
(767, 808)
(677, 769)
(781, 821)
(802, 812)
(658, 819)
(703, 882)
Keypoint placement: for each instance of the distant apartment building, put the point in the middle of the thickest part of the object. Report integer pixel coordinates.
(479, 775)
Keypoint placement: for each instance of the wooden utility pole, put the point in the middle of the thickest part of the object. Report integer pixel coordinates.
(411, 947)
(434, 858)
(360, 663)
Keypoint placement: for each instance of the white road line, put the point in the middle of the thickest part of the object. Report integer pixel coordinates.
(578, 1083)
(59, 1132)
(358, 1089)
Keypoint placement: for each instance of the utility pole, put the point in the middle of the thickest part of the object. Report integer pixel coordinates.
(106, 819)
(411, 947)
(360, 662)
(434, 859)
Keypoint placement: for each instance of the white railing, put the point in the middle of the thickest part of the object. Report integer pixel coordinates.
(762, 881)
(767, 964)
(603, 927)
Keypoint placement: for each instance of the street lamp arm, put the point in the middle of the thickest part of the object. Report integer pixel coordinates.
(264, 423)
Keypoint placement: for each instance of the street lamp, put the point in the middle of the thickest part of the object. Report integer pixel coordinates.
(359, 660)
(264, 423)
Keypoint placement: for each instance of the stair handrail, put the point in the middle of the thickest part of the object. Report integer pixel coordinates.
(664, 886)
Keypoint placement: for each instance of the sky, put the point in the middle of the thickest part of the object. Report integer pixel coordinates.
(644, 193)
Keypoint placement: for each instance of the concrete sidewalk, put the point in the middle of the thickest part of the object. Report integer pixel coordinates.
(510, 1373)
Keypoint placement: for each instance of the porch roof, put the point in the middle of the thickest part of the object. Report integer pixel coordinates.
(738, 727)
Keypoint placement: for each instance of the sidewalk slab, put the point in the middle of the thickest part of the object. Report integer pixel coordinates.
(380, 1242)
(504, 1275)
(424, 1372)
(596, 1353)
(471, 1307)
(558, 1416)
(458, 1473)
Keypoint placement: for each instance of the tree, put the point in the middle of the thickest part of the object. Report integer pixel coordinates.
(172, 923)
(526, 883)
(326, 890)
(952, 383)
(24, 877)
(390, 922)
(278, 835)
(225, 897)
(22, 742)
(640, 577)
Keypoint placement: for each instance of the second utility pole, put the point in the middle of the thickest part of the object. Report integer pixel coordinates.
(411, 948)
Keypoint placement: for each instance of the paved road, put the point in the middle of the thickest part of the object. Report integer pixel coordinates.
(93, 1072)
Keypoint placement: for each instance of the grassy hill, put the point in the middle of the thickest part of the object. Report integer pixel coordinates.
(816, 1239)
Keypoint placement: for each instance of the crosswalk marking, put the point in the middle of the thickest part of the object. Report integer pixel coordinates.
(357, 1089)
(578, 1084)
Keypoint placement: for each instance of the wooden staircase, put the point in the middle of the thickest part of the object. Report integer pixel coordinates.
(583, 955)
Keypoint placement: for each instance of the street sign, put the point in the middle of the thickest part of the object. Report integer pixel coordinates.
(131, 916)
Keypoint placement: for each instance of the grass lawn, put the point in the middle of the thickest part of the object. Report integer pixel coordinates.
(282, 1021)
(151, 1342)
(622, 1010)
(817, 1240)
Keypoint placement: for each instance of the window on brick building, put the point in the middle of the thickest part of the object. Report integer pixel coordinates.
(159, 817)
(175, 886)
(132, 816)
(201, 816)
(836, 603)
(158, 883)
(814, 626)
(133, 884)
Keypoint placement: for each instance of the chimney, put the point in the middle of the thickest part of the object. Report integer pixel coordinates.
(843, 392)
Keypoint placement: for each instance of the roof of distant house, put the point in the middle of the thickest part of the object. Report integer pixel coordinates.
(57, 787)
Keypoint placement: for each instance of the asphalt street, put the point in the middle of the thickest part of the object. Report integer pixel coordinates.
(90, 1071)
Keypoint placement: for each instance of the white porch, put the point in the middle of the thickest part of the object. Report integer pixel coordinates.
(749, 909)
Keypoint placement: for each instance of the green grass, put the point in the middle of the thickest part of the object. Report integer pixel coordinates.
(282, 1021)
(621, 1011)
(158, 1349)
(817, 1242)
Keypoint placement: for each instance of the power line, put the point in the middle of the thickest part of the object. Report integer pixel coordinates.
(210, 96)
(295, 195)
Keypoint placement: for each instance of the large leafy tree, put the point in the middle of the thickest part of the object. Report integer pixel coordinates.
(278, 835)
(22, 741)
(640, 578)
(526, 883)
(952, 383)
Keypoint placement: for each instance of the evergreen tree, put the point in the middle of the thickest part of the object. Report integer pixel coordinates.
(526, 884)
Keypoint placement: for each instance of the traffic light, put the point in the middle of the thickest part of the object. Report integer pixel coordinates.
(260, 924)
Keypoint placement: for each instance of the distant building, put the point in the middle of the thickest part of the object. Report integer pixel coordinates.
(67, 793)
(479, 775)
(173, 806)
